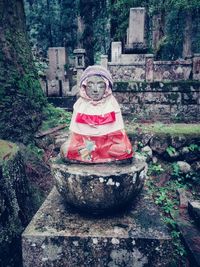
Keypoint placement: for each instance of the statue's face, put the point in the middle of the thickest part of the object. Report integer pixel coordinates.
(95, 88)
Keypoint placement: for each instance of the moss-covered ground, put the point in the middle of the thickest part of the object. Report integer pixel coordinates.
(174, 129)
(54, 117)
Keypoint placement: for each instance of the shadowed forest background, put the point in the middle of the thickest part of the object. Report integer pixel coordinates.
(94, 24)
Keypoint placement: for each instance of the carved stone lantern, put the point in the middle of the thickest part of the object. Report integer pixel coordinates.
(79, 58)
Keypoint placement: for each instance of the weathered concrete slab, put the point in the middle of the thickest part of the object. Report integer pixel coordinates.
(58, 236)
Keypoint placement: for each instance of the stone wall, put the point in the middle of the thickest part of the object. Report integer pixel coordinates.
(134, 72)
(158, 101)
(145, 70)
(143, 67)
(172, 70)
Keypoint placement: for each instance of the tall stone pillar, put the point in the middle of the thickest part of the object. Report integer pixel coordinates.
(196, 67)
(116, 52)
(149, 67)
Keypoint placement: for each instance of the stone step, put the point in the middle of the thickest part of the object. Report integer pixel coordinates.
(194, 211)
(190, 234)
(58, 236)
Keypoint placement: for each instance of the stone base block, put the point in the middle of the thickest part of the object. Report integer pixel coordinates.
(58, 236)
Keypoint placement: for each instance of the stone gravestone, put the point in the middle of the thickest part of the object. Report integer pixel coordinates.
(99, 218)
(116, 52)
(57, 84)
(136, 30)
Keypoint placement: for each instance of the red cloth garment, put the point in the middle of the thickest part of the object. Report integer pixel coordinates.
(99, 149)
(97, 127)
(96, 119)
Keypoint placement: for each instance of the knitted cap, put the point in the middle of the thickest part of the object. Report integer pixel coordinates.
(96, 70)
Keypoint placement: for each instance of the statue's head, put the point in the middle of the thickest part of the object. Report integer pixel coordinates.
(95, 83)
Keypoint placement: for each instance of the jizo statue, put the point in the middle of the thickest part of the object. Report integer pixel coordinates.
(97, 128)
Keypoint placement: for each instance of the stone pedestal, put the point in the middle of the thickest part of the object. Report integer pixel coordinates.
(99, 188)
(58, 236)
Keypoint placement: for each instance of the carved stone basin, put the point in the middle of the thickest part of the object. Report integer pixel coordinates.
(99, 188)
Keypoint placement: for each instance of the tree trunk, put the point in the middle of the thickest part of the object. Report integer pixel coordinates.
(21, 97)
(80, 30)
(87, 7)
(15, 205)
(187, 35)
(49, 25)
(158, 32)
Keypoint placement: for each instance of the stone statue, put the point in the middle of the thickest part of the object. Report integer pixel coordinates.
(97, 128)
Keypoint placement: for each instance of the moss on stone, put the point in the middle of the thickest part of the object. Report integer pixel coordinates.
(8, 150)
(183, 86)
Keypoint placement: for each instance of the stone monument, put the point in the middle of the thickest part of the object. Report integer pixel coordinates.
(57, 83)
(136, 30)
(99, 218)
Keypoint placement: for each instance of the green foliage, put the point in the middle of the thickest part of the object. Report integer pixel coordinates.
(55, 23)
(176, 171)
(54, 116)
(193, 147)
(179, 247)
(166, 197)
(36, 151)
(155, 169)
(192, 178)
(171, 150)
